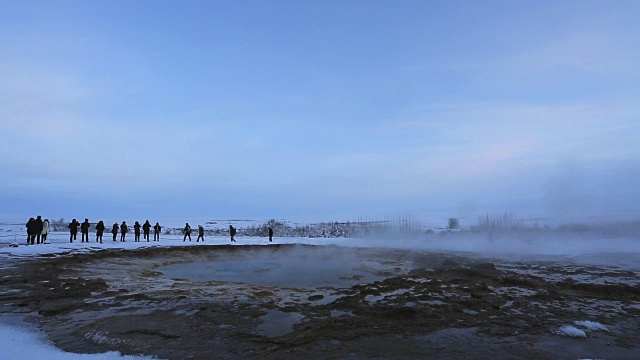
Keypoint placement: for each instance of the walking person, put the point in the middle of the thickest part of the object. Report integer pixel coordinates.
(232, 233)
(46, 229)
(146, 229)
(156, 231)
(123, 231)
(73, 230)
(84, 228)
(136, 231)
(114, 231)
(31, 229)
(187, 232)
(38, 228)
(99, 231)
(200, 233)
(270, 234)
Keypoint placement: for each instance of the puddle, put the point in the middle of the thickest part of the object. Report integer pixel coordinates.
(278, 323)
(338, 313)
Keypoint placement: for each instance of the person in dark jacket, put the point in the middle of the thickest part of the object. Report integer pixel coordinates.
(136, 231)
(123, 231)
(84, 229)
(99, 231)
(232, 233)
(156, 231)
(270, 234)
(114, 231)
(73, 230)
(146, 229)
(31, 231)
(187, 232)
(200, 233)
(38, 228)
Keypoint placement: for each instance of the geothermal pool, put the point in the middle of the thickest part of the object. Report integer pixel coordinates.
(300, 272)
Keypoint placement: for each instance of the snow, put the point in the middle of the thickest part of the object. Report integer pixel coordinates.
(571, 331)
(592, 325)
(21, 341)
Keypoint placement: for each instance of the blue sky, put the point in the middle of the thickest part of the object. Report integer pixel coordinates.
(179, 109)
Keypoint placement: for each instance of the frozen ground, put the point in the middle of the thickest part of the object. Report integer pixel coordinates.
(441, 296)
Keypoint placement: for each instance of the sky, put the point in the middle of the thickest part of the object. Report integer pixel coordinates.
(284, 109)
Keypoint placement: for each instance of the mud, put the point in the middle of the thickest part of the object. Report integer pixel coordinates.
(421, 305)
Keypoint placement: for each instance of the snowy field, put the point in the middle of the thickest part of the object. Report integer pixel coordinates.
(24, 341)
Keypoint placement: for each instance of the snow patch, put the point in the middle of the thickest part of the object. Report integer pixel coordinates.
(571, 331)
(591, 325)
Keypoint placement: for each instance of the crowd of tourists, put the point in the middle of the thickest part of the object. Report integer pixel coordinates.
(38, 229)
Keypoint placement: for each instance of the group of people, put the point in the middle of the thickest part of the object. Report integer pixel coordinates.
(124, 229)
(38, 229)
(232, 232)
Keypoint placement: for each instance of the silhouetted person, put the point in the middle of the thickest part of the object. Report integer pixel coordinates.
(232, 233)
(187, 232)
(99, 231)
(38, 228)
(146, 229)
(270, 234)
(73, 230)
(136, 231)
(114, 231)
(156, 231)
(31, 231)
(200, 233)
(84, 228)
(46, 229)
(123, 231)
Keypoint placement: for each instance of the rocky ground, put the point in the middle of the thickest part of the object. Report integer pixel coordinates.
(416, 305)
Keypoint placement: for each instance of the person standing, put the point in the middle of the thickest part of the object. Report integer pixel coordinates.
(146, 229)
(84, 228)
(73, 230)
(200, 233)
(123, 231)
(114, 231)
(232, 233)
(156, 231)
(270, 234)
(136, 231)
(99, 231)
(38, 229)
(46, 229)
(31, 228)
(187, 232)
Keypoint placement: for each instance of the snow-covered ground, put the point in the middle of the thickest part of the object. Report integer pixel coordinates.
(23, 341)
